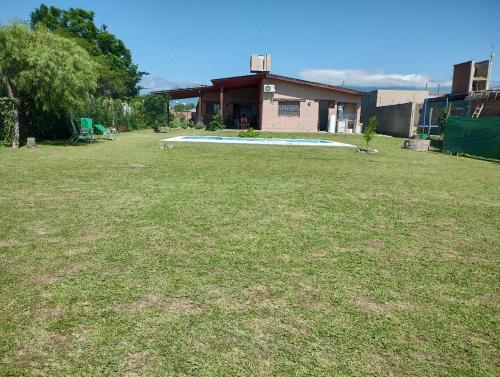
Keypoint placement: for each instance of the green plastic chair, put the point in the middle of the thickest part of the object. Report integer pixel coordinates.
(106, 132)
(79, 133)
(86, 124)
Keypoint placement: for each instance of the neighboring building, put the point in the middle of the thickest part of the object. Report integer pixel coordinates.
(402, 112)
(275, 103)
(470, 96)
(471, 77)
(185, 115)
(397, 111)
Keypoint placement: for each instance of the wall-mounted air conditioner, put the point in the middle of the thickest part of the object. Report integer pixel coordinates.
(269, 88)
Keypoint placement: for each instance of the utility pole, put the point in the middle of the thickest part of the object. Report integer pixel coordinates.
(490, 70)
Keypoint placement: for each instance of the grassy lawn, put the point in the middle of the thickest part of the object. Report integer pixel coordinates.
(121, 258)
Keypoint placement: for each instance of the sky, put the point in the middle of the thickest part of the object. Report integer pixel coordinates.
(362, 44)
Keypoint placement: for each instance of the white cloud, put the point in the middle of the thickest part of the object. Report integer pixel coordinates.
(360, 78)
(156, 83)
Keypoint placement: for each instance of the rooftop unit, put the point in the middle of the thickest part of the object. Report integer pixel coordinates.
(260, 63)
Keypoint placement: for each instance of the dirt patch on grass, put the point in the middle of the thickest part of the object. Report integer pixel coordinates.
(48, 279)
(259, 292)
(375, 244)
(176, 306)
(368, 306)
(311, 300)
(46, 344)
(136, 364)
(260, 296)
(48, 314)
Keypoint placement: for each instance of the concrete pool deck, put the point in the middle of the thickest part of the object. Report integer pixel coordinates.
(258, 140)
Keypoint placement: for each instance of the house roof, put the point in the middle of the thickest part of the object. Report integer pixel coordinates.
(247, 81)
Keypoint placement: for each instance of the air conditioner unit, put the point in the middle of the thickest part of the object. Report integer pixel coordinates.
(269, 89)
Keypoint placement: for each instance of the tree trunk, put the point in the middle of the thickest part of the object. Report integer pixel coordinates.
(10, 94)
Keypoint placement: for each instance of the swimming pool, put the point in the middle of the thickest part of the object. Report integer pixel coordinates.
(258, 140)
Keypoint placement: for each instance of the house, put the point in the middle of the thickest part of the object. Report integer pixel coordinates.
(275, 103)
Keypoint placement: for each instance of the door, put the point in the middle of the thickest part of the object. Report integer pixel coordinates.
(323, 115)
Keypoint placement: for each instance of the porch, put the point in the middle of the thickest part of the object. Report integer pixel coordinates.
(237, 99)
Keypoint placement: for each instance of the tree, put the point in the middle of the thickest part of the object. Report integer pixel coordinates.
(442, 118)
(184, 106)
(155, 111)
(370, 129)
(42, 70)
(117, 75)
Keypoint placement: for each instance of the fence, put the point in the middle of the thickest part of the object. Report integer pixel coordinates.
(475, 136)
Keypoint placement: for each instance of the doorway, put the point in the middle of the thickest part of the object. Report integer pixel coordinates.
(323, 115)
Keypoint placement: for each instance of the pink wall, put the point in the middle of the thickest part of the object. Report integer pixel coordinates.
(308, 97)
(309, 107)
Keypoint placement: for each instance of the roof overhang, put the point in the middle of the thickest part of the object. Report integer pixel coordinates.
(240, 82)
(228, 83)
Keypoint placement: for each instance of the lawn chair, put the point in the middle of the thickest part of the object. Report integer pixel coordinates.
(86, 125)
(79, 133)
(106, 132)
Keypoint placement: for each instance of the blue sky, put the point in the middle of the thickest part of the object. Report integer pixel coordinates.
(366, 43)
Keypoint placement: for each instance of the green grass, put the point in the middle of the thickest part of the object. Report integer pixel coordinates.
(121, 258)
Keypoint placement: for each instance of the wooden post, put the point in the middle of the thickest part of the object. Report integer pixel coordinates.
(168, 112)
(221, 102)
(430, 121)
(199, 110)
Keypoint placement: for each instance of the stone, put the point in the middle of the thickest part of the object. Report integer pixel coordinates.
(418, 145)
(30, 142)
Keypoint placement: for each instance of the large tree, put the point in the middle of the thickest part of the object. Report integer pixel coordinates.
(44, 71)
(118, 75)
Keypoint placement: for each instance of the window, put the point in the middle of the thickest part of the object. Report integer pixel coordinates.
(212, 108)
(289, 108)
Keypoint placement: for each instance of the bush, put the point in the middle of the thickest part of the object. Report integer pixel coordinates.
(216, 123)
(115, 112)
(7, 120)
(181, 123)
(250, 132)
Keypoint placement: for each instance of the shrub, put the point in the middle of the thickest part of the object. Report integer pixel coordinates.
(7, 120)
(442, 119)
(181, 123)
(216, 123)
(199, 126)
(249, 132)
(370, 129)
(109, 112)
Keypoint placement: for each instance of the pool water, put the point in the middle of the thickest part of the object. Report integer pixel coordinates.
(258, 140)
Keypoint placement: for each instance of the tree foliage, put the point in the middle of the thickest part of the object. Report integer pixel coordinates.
(184, 106)
(44, 71)
(155, 110)
(370, 129)
(118, 76)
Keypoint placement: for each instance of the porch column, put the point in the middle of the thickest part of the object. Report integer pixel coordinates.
(358, 116)
(200, 119)
(168, 112)
(221, 102)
